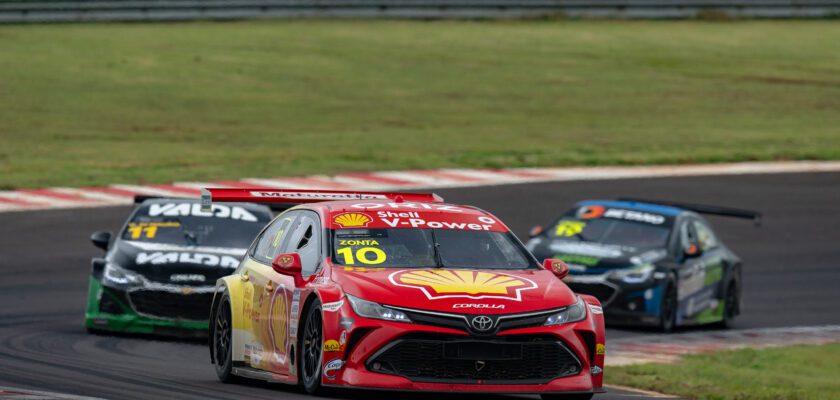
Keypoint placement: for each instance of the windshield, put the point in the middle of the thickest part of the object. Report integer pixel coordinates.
(184, 224)
(429, 248)
(611, 231)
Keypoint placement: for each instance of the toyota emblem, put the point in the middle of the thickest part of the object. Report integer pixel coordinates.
(482, 323)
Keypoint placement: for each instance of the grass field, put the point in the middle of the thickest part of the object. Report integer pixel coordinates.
(789, 373)
(100, 103)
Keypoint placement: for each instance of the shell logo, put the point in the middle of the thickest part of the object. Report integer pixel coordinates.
(352, 219)
(441, 284)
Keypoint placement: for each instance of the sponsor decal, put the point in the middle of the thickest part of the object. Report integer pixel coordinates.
(364, 269)
(210, 260)
(148, 229)
(194, 209)
(332, 367)
(578, 259)
(590, 212)
(442, 284)
(331, 346)
(600, 349)
(320, 196)
(479, 306)
(637, 216)
(568, 228)
(595, 211)
(342, 339)
(352, 220)
(332, 307)
(186, 290)
(596, 370)
(295, 311)
(588, 249)
(187, 278)
(278, 326)
(422, 223)
(410, 206)
(596, 309)
(359, 242)
(286, 260)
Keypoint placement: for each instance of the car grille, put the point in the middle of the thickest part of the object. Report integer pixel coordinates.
(604, 293)
(461, 321)
(508, 360)
(158, 303)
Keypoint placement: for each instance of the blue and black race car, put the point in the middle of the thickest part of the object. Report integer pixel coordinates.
(649, 262)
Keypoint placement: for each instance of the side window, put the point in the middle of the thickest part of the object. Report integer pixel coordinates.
(306, 241)
(273, 239)
(705, 238)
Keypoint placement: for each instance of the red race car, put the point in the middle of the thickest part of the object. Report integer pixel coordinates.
(400, 291)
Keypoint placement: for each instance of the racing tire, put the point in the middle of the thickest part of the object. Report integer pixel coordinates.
(668, 308)
(311, 345)
(570, 396)
(730, 305)
(222, 341)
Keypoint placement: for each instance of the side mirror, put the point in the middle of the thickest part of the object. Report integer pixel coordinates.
(97, 266)
(693, 250)
(557, 267)
(535, 231)
(101, 239)
(289, 264)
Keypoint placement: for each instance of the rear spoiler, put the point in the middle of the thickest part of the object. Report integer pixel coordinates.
(704, 209)
(139, 198)
(295, 196)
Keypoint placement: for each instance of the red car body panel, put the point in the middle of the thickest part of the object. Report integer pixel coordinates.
(350, 340)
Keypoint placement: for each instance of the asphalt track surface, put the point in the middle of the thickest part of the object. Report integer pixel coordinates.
(791, 275)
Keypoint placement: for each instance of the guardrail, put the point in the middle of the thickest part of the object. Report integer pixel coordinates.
(168, 10)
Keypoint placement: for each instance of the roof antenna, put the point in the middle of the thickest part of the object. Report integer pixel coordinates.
(398, 199)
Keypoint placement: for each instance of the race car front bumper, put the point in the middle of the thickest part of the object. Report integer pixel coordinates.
(637, 304)
(375, 354)
(110, 309)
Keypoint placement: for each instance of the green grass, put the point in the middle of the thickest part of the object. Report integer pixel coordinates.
(98, 103)
(786, 373)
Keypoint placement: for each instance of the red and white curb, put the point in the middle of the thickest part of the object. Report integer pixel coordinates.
(670, 347)
(63, 197)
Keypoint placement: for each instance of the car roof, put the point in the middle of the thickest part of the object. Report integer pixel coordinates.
(638, 206)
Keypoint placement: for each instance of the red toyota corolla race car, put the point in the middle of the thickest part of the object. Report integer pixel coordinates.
(400, 291)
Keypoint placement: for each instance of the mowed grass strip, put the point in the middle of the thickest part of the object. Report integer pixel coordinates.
(88, 104)
(790, 373)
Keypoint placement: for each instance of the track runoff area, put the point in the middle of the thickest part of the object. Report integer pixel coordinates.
(789, 293)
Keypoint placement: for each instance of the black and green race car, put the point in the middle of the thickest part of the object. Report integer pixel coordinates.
(650, 263)
(160, 271)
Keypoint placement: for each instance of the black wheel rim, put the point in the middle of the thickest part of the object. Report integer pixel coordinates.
(222, 336)
(312, 346)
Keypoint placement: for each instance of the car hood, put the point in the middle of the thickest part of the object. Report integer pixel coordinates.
(167, 263)
(592, 257)
(465, 291)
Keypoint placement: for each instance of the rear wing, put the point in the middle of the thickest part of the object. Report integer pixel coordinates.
(294, 196)
(705, 209)
(139, 198)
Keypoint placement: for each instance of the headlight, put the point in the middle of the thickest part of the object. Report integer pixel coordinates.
(637, 274)
(369, 309)
(573, 313)
(119, 276)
